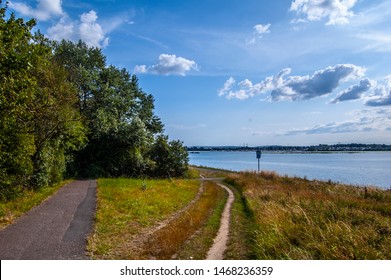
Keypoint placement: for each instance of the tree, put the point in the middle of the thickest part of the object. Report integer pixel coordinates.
(170, 158)
(39, 121)
(118, 113)
(56, 125)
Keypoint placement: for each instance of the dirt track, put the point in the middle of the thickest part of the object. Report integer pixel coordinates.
(216, 252)
(56, 229)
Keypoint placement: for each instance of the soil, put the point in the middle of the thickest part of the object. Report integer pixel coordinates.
(216, 252)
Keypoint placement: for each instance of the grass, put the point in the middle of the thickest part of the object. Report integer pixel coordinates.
(197, 245)
(127, 208)
(26, 200)
(294, 218)
(208, 172)
(165, 243)
(240, 243)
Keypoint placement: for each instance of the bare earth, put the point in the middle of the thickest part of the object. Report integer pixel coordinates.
(56, 229)
(216, 252)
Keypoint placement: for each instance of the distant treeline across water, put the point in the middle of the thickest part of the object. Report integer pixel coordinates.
(353, 147)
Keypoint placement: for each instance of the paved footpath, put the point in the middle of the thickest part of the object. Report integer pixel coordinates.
(56, 229)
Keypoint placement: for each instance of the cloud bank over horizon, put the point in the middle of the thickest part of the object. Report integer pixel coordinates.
(284, 86)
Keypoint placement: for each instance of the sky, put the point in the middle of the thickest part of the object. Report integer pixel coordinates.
(250, 72)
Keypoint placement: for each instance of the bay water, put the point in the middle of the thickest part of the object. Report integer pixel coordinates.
(356, 168)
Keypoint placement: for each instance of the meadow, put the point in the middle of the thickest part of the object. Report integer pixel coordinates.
(150, 219)
(295, 218)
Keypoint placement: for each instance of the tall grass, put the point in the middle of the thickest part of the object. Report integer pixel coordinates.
(296, 218)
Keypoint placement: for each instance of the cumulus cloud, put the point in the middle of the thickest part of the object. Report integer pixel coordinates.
(380, 101)
(362, 121)
(90, 31)
(86, 29)
(336, 11)
(168, 64)
(44, 10)
(227, 86)
(284, 87)
(382, 94)
(355, 92)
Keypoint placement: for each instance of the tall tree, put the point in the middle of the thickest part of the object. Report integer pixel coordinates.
(118, 113)
(38, 116)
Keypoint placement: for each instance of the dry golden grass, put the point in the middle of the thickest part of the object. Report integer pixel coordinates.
(166, 242)
(300, 219)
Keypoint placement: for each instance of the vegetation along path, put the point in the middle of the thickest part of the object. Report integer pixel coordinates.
(216, 252)
(56, 229)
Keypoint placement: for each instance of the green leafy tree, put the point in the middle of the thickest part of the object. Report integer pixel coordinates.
(170, 158)
(17, 58)
(118, 113)
(39, 119)
(57, 124)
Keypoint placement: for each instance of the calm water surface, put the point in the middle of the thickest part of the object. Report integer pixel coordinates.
(364, 168)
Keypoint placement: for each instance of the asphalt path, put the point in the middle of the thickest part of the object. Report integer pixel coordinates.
(56, 229)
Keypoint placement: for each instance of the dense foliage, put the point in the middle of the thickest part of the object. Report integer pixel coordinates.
(63, 111)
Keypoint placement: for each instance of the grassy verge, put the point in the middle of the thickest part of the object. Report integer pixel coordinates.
(27, 199)
(197, 245)
(167, 241)
(209, 172)
(240, 243)
(127, 208)
(300, 219)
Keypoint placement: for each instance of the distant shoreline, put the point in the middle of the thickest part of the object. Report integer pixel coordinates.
(298, 149)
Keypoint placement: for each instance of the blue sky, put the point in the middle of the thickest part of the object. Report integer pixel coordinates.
(254, 72)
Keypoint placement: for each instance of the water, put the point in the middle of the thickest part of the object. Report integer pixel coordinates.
(363, 168)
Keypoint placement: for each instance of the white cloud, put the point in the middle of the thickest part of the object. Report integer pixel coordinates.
(44, 10)
(284, 87)
(355, 92)
(262, 29)
(362, 121)
(227, 86)
(91, 32)
(64, 29)
(259, 30)
(87, 29)
(336, 11)
(381, 95)
(168, 64)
